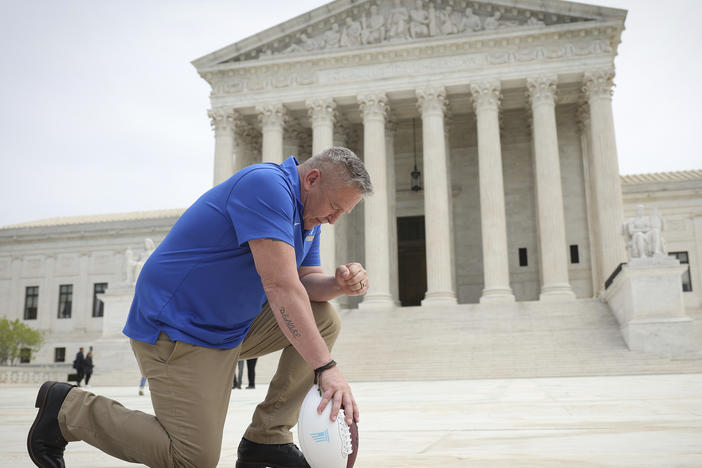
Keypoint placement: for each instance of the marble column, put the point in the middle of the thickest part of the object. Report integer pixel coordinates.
(222, 121)
(292, 136)
(606, 187)
(374, 108)
(390, 129)
(437, 215)
(486, 103)
(272, 118)
(583, 122)
(247, 144)
(549, 192)
(344, 224)
(322, 114)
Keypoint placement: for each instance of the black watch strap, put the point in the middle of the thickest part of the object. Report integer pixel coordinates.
(318, 371)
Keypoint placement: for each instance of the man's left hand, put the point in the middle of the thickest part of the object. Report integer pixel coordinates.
(352, 279)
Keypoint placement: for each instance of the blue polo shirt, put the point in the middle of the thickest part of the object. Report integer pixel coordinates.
(200, 285)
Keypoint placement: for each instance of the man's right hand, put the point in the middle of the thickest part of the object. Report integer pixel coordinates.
(337, 390)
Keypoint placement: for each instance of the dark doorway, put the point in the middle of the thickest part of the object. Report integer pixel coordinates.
(412, 260)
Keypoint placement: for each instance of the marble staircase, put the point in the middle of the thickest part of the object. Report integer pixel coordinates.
(479, 341)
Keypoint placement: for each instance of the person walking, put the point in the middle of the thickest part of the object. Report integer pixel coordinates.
(88, 367)
(78, 365)
(251, 370)
(238, 276)
(238, 374)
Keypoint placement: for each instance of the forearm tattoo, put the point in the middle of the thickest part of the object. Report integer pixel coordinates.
(289, 323)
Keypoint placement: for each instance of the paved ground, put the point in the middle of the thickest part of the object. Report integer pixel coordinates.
(636, 421)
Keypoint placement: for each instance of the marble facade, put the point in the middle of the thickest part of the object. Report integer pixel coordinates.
(461, 69)
(506, 111)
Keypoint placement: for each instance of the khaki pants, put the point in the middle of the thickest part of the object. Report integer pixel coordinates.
(190, 388)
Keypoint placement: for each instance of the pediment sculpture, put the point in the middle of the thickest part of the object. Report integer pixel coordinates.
(402, 20)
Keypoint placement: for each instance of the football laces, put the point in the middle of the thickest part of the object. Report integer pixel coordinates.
(344, 433)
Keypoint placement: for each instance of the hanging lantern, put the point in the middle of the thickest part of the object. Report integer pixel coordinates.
(415, 183)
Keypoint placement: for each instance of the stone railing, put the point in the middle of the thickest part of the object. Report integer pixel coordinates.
(34, 374)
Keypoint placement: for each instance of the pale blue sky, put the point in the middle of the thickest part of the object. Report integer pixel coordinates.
(101, 110)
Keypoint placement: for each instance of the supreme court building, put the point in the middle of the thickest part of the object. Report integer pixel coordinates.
(487, 129)
(506, 108)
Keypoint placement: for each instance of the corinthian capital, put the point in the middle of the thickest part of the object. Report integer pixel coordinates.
(542, 90)
(486, 94)
(431, 99)
(583, 117)
(373, 106)
(271, 115)
(321, 110)
(598, 84)
(222, 119)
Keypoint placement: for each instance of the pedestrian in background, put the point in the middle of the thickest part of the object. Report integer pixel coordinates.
(88, 367)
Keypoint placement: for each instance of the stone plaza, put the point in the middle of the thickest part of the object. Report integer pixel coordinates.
(583, 422)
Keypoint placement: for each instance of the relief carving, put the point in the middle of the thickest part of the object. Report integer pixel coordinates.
(398, 22)
(401, 20)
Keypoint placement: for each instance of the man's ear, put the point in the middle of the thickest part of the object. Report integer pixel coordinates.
(312, 177)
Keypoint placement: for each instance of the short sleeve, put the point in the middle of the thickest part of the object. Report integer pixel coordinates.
(313, 258)
(261, 205)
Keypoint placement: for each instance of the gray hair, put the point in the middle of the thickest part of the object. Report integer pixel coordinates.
(346, 164)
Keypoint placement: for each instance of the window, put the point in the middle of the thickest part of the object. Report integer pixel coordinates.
(523, 257)
(684, 259)
(574, 254)
(31, 300)
(59, 354)
(65, 300)
(25, 355)
(98, 305)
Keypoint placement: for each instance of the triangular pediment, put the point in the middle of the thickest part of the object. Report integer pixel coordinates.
(348, 24)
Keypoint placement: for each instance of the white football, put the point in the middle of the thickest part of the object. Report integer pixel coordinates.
(325, 444)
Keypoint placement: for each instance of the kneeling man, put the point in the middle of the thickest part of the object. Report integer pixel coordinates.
(237, 277)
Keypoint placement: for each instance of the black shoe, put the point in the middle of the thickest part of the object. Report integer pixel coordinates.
(45, 443)
(253, 455)
(250, 386)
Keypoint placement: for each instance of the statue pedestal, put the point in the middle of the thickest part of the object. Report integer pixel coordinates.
(647, 300)
(117, 365)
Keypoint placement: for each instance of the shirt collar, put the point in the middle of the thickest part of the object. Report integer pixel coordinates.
(289, 167)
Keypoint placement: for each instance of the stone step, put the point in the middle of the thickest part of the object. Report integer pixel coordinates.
(479, 341)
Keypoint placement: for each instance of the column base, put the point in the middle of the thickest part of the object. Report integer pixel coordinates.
(432, 298)
(557, 292)
(378, 301)
(497, 295)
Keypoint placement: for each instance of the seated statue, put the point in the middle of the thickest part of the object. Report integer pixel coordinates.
(133, 267)
(643, 234)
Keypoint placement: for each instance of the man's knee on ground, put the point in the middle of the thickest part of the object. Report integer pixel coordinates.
(327, 318)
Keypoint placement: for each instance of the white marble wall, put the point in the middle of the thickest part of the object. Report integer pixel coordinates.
(67, 260)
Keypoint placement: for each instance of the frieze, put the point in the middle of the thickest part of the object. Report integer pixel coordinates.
(416, 60)
(392, 21)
